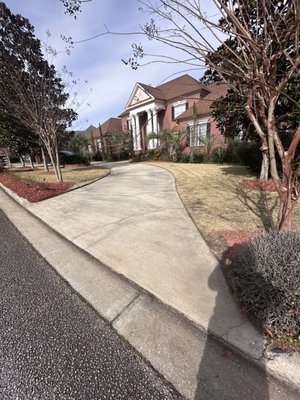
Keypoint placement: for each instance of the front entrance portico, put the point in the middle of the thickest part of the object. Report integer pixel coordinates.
(144, 120)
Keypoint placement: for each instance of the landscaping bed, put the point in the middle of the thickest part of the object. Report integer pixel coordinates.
(37, 185)
(34, 191)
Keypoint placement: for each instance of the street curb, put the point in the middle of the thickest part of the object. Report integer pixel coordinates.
(281, 366)
(23, 202)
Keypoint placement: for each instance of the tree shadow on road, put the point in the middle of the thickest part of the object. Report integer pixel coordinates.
(223, 373)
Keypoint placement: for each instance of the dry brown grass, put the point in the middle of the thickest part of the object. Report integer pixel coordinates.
(217, 202)
(76, 176)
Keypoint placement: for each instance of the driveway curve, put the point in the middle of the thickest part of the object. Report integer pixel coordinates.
(134, 222)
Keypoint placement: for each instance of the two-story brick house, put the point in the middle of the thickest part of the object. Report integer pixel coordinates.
(180, 104)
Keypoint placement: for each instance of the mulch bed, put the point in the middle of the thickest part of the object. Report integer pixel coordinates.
(34, 191)
(225, 244)
(267, 186)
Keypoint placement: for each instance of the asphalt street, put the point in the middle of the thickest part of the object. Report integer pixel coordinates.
(53, 345)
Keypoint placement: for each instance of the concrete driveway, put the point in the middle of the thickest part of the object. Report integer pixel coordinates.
(134, 222)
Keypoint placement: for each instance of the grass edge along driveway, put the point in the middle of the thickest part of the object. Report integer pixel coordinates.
(220, 206)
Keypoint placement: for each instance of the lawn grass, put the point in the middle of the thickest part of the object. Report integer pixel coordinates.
(227, 214)
(218, 203)
(37, 185)
(77, 177)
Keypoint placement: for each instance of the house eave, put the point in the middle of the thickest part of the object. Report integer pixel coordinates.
(190, 118)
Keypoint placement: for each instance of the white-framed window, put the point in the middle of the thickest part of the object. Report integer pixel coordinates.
(198, 133)
(129, 125)
(178, 108)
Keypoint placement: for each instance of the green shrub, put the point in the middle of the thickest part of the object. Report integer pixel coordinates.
(122, 155)
(66, 157)
(97, 156)
(218, 156)
(245, 153)
(154, 154)
(196, 157)
(266, 281)
(184, 158)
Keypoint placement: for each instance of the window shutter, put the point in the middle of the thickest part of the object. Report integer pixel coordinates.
(173, 113)
(208, 130)
(186, 106)
(188, 131)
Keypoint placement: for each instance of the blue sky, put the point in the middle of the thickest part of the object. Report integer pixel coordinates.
(99, 60)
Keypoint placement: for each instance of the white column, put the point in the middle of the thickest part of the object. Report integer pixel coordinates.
(157, 120)
(154, 112)
(150, 129)
(155, 127)
(138, 133)
(134, 135)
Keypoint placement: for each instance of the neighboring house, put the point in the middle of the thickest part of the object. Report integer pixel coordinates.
(180, 104)
(113, 137)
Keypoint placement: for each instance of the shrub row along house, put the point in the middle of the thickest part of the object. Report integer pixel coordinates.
(182, 105)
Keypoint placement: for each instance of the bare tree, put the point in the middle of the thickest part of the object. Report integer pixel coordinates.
(260, 67)
(32, 93)
(39, 107)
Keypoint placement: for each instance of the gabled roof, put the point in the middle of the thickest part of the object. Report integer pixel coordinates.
(203, 106)
(174, 89)
(140, 94)
(181, 86)
(111, 125)
(155, 92)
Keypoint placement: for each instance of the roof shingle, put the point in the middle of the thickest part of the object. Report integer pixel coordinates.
(181, 86)
(110, 126)
(203, 106)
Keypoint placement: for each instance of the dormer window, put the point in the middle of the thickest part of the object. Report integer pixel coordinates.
(178, 108)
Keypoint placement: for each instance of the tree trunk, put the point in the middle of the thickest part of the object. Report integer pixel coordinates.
(284, 220)
(56, 166)
(31, 162)
(46, 167)
(264, 172)
(59, 173)
(22, 160)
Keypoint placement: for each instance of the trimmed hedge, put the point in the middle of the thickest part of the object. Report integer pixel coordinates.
(266, 282)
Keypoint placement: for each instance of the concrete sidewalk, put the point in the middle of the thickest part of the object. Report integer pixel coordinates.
(135, 224)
